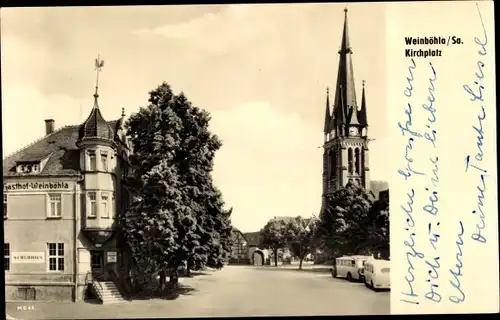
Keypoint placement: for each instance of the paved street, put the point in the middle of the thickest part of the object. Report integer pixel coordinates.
(234, 291)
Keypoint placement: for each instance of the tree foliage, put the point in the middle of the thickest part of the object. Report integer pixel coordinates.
(379, 229)
(179, 216)
(300, 236)
(274, 236)
(352, 224)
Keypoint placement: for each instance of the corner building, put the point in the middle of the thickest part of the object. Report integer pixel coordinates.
(62, 197)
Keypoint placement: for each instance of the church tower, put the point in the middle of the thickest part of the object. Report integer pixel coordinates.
(345, 157)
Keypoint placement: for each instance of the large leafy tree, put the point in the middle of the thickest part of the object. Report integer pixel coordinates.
(274, 236)
(300, 234)
(344, 223)
(379, 227)
(179, 216)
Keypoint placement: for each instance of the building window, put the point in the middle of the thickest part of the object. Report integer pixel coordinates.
(92, 210)
(55, 206)
(5, 206)
(104, 161)
(350, 161)
(56, 256)
(6, 256)
(333, 164)
(112, 206)
(357, 161)
(92, 161)
(104, 205)
(362, 157)
(27, 293)
(28, 168)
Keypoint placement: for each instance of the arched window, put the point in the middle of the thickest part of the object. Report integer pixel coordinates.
(333, 164)
(362, 161)
(350, 160)
(357, 161)
(328, 162)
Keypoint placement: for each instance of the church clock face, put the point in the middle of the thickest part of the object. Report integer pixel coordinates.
(353, 131)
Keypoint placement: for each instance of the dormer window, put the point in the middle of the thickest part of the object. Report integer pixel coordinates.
(28, 167)
(92, 161)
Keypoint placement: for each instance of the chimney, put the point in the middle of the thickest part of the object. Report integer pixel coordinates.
(49, 126)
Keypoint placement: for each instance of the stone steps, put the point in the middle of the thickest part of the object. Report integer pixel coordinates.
(109, 292)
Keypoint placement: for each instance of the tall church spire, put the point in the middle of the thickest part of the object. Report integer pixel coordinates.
(327, 112)
(345, 155)
(345, 95)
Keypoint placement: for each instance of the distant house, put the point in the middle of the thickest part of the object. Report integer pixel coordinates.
(256, 253)
(239, 250)
(246, 249)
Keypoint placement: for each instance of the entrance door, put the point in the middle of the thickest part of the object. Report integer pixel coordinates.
(257, 258)
(97, 264)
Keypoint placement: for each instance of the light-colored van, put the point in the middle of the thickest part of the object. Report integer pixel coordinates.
(378, 274)
(350, 267)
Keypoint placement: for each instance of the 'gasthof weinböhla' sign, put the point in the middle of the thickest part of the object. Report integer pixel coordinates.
(33, 186)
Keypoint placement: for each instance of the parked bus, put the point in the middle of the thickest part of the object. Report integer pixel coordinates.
(378, 274)
(350, 267)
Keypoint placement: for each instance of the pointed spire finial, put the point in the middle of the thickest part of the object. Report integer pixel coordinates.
(363, 83)
(345, 46)
(328, 116)
(98, 67)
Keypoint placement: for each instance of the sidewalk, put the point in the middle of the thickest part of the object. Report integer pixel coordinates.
(295, 267)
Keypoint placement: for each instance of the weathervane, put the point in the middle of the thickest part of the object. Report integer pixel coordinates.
(98, 67)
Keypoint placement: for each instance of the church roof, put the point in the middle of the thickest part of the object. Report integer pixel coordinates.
(60, 149)
(95, 126)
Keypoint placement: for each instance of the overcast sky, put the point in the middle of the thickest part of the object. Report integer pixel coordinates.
(260, 70)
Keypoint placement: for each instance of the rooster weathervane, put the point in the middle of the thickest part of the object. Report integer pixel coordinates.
(98, 67)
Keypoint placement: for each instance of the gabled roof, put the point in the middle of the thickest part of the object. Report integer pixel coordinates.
(60, 149)
(253, 238)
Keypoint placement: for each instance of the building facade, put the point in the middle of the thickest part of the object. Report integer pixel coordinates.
(62, 196)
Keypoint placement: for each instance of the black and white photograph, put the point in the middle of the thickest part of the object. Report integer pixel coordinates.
(195, 161)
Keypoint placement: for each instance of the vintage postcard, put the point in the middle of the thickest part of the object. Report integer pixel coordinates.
(236, 160)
